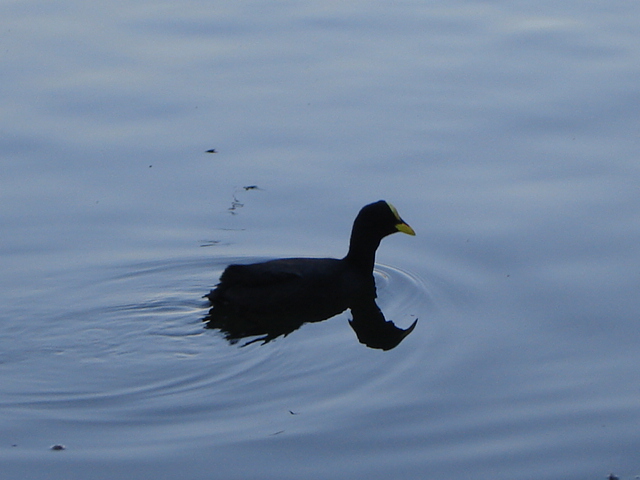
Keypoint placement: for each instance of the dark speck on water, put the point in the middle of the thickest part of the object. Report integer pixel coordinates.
(209, 243)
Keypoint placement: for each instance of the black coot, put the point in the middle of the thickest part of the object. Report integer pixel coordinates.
(276, 297)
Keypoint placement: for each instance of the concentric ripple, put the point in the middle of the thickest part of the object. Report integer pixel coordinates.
(127, 347)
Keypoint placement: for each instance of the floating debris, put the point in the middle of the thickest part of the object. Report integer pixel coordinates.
(57, 447)
(213, 150)
(210, 243)
(236, 203)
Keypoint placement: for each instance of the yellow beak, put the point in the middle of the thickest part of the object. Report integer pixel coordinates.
(401, 226)
(404, 228)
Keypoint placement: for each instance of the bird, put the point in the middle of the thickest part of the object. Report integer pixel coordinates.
(276, 297)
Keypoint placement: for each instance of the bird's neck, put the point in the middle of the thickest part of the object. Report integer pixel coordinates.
(362, 252)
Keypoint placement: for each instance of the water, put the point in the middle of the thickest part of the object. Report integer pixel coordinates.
(505, 134)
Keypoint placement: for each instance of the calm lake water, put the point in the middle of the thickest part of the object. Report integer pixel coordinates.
(507, 134)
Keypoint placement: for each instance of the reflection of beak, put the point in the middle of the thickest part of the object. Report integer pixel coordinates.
(404, 228)
(410, 329)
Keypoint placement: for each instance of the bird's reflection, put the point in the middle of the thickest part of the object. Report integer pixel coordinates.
(368, 321)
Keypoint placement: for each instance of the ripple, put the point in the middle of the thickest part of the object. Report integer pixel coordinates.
(401, 292)
(129, 342)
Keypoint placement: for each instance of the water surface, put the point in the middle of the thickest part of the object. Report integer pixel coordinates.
(505, 133)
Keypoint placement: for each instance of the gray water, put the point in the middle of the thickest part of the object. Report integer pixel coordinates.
(506, 134)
